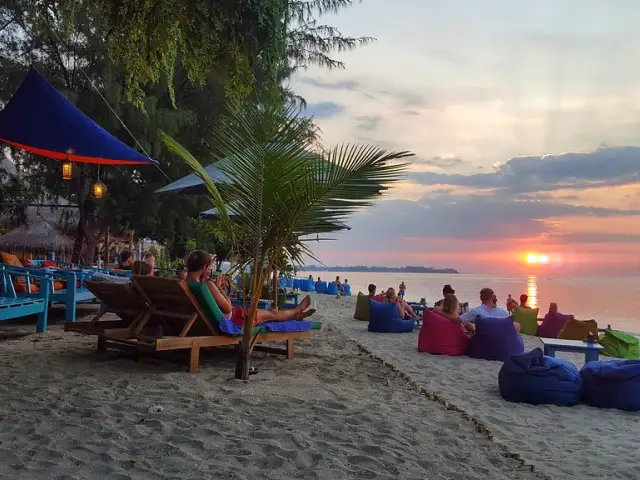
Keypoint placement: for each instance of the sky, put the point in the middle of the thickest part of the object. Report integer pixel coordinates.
(524, 118)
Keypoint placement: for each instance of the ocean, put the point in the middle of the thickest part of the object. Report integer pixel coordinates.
(608, 300)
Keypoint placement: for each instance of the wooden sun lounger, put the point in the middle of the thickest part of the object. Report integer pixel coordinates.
(185, 325)
(122, 300)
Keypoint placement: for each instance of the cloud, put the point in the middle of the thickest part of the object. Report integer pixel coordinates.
(324, 109)
(368, 123)
(607, 166)
(471, 218)
(350, 85)
(443, 162)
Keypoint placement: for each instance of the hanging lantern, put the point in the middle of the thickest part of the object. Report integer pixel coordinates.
(67, 166)
(67, 170)
(98, 189)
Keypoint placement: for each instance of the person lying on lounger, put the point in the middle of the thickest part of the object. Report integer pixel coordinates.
(199, 270)
(450, 309)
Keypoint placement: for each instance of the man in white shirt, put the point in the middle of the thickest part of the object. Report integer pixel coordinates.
(488, 309)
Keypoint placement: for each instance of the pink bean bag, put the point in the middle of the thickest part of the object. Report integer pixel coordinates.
(552, 324)
(439, 336)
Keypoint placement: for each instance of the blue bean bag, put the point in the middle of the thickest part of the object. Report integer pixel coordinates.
(321, 287)
(332, 289)
(495, 339)
(385, 318)
(289, 282)
(307, 285)
(347, 289)
(612, 384)
(533, 378)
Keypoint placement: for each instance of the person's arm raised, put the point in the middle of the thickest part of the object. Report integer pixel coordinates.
(221, 299)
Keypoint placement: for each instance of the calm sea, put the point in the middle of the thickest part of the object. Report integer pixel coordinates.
(609, 300)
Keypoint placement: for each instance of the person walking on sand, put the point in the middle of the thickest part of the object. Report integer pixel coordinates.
(401, 290)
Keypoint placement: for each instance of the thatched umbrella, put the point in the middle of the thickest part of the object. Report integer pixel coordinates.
(36, 237)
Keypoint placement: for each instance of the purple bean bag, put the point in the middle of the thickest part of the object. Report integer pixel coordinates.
(495, 339)
(552, 324)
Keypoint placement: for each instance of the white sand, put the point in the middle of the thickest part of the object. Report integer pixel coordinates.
(333, 413)
(562, 442)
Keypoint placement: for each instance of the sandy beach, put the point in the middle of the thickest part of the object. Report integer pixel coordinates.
(332, 413)
(335, 412)
(561, 442)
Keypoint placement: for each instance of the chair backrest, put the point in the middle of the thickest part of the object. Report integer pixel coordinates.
(118, 297)
(172, 299)
(205, 300)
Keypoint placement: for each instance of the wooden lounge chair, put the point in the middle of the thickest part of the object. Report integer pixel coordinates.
(188, 324)
(122, 300)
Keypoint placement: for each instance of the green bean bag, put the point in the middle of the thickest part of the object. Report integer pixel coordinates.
(363, 307)
(528, 320)
(620, 345)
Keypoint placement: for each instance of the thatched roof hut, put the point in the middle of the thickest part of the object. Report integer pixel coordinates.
(36, 237)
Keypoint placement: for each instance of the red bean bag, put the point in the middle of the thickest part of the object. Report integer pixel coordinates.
(439, 336)
(552, 324)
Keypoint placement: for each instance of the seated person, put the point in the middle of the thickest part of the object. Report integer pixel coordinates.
(524, 298)
(141, 268)
(372, 290)
(446, 290)
(511, 304)
(404, 309)
(199, 270)
(488, 309)
(450, 309)
(339, 285)
(126, 260)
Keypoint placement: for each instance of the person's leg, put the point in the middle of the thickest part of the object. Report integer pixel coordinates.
(298, 313)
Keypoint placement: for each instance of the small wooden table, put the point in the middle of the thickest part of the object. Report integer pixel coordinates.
(591, 350)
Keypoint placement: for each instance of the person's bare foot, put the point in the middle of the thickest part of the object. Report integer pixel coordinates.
(304, 304)
(305, 314)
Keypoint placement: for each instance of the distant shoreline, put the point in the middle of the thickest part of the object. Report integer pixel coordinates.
(375, 269)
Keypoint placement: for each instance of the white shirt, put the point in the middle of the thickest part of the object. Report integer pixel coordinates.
(485, 312)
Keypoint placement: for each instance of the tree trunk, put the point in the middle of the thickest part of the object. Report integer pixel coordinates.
(77, 245)
(244, 349)
(275, 288)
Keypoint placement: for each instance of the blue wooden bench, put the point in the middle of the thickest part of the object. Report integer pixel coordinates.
(591, 350)
(12, 305)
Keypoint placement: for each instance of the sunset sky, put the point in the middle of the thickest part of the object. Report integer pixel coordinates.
(525, 121)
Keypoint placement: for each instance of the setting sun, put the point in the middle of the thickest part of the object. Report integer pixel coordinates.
(537, 258)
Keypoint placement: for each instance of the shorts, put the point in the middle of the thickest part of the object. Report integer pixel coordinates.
(238, 315)
(401, 293)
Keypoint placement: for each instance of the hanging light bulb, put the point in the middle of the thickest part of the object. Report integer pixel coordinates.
(98, 189)
(67, 166)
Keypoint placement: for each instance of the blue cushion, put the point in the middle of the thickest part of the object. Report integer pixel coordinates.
(385, 318)
(321, 287)
(332, 289)
(288, 326)
(612, 384)
(495, 339)
(289, 282)
(347, 289)
(533, 378)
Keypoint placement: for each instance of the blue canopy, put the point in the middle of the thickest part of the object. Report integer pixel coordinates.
(41, 120)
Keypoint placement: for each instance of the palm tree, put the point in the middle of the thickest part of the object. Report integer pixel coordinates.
(286, 191)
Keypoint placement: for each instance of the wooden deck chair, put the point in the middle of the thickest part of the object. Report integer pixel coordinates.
(122, 300)
(188, 323)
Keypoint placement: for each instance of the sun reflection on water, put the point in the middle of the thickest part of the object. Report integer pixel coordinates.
(532, 291)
